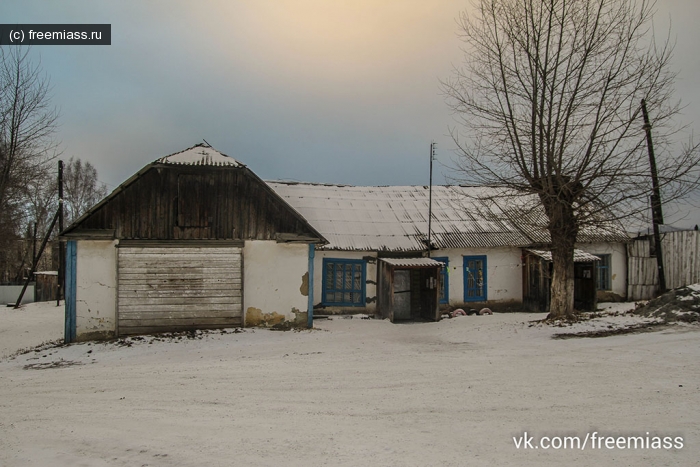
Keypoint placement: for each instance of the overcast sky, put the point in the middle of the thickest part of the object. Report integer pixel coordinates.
(335, 91)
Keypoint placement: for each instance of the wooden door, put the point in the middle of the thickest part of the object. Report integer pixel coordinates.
(402, 295)
(166, 289)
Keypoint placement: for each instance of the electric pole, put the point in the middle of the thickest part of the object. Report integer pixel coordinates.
(656, 211)
(433, 146)
(61, 251)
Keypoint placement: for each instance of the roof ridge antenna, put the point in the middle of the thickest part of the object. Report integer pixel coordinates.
(206, 142)
(433, 150)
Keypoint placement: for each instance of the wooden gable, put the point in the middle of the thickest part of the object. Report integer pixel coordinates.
(172, 202)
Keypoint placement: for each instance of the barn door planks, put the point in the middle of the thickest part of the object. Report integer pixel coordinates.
(166, 288)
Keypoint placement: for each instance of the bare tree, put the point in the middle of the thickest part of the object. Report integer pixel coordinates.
(27, 124)
(549, 98)
(42, 201)
(81, 188)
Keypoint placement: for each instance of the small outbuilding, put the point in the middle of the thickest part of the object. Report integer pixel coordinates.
(537, 280)
(46, 287)
(409, 289)
(194, 240)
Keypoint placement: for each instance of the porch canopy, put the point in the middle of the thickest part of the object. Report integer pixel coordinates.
(580, 256)
(412, 262)
(408, 288)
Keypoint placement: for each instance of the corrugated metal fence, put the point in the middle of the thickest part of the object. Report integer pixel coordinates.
(681, 251)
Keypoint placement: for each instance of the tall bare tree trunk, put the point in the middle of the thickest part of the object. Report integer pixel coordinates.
(562, 291)
(563, 231)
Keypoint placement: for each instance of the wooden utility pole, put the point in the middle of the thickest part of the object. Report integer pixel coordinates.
(61, 251)
(430, 197)
(36, 261)
(34, 242)
(656, 211)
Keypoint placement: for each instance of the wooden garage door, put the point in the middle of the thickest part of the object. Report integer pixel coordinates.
(165, 288)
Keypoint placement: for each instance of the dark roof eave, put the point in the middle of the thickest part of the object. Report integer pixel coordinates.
(89, 234)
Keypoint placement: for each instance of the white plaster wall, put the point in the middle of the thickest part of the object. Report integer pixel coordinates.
(503, 269)
(96, 288)
(370, 276)
(272, 277)
(504, 273)
(618, 266)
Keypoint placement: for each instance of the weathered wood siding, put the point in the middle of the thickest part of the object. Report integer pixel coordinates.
(46, 287)
(681, 252)
(164, 289)
(536, 283)
(169, 202)
(385, 291)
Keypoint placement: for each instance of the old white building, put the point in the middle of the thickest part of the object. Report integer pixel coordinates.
(479, 242)
(196, 240)
(193, 240)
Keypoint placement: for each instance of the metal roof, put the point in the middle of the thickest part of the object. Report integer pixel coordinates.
(533, 223)
(201, 154)
(412, 262)
(395, 218)
(580, 256)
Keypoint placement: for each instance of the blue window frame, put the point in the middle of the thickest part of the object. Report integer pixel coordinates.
(445, 280)
(475, 283)
(343, 282)
(603, 273)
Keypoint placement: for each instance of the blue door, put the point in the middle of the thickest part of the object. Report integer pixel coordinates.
(444, 291)
(475, 279)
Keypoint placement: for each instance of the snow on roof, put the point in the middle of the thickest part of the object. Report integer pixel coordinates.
(395, 218)
(201, 154)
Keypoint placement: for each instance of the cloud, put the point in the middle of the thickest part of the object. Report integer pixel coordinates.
(343, 91)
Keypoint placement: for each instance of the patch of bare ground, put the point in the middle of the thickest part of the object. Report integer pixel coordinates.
(44, 346)
(579, 317)
(613, 331)
(47, 365)
(603, 323)
(675, 308)
(47, 348)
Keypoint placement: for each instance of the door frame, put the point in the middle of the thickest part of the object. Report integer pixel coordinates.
(465, 261)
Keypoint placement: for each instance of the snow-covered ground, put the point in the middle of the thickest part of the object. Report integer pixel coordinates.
(351, 392)
(30, 325)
